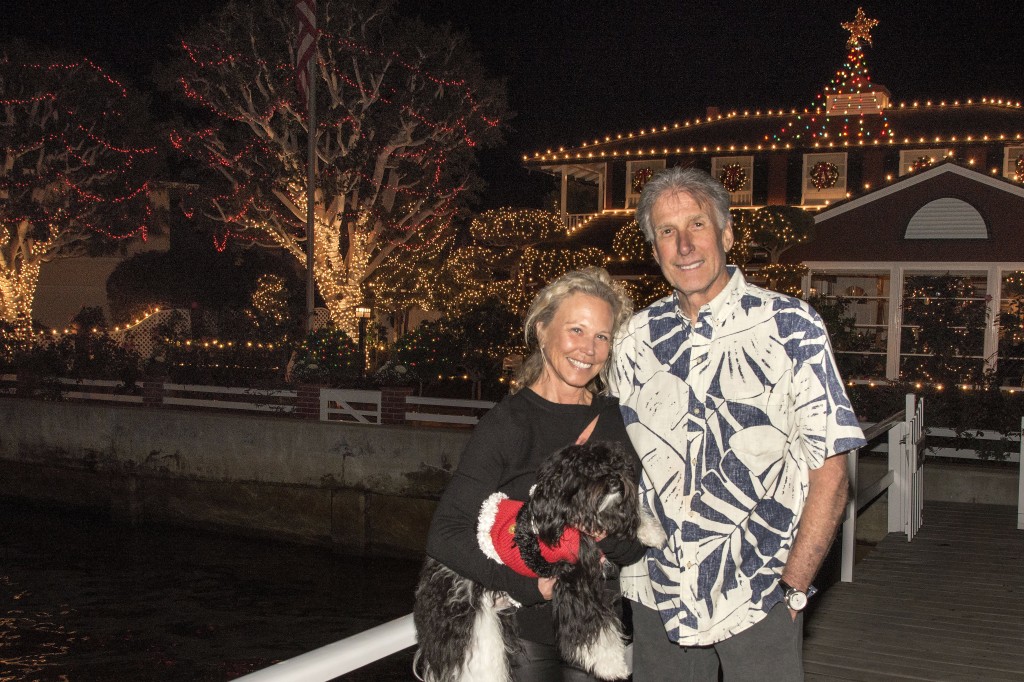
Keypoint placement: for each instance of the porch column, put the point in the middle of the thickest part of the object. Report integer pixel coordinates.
(993, 296)
(892, 353)
(565, 197)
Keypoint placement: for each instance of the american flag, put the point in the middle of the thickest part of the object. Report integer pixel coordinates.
(305, 13)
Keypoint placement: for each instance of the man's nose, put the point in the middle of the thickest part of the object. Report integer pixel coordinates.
(683, 244)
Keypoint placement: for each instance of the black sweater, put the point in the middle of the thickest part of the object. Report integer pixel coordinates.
(503, 455)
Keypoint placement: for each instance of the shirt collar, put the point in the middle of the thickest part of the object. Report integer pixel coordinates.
(714, 311)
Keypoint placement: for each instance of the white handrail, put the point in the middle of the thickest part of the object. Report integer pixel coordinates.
(1020, 481)
(903, 430)
(343, 656)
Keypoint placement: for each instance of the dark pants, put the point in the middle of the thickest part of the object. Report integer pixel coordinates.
(770, 650)
(541, 663)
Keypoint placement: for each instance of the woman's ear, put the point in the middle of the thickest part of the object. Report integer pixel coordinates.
(538, 332)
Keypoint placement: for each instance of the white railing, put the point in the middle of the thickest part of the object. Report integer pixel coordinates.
(105, 390)
(574, 221)
(226, 398)
(1020, 478)
(446, 410)
(350, 405)
(904, 479)
(341, 657)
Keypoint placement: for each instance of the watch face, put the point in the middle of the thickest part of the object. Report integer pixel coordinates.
(796, 600)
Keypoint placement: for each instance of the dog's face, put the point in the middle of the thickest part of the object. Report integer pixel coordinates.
(591, 487)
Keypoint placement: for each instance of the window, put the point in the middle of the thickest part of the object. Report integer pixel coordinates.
(636, 172)
(913, 160)
(737, 174)
(824, 178)
(1013, 163)
(943, 335)
(855, 308)
(1010, 369)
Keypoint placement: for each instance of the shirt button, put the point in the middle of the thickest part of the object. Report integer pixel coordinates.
(689, 564)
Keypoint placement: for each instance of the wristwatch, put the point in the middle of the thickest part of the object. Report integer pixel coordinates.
(794, 598)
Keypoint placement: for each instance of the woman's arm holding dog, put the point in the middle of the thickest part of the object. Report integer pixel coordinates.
(452, 539)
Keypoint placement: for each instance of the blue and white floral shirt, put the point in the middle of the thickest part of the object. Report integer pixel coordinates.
(728, 416)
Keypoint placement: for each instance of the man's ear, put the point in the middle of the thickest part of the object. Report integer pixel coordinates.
(727, 237)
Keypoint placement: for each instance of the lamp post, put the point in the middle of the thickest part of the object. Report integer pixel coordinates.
(363, 314)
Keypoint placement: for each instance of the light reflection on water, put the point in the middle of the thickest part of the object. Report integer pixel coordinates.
(83, 599)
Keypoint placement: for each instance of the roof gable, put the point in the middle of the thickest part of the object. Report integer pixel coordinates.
(946, 213)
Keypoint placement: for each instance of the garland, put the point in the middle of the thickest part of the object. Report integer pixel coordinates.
(1019, 172)
(824, 175)
(640, 178)
(733, 177)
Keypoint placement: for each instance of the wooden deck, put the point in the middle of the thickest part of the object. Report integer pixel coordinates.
(947, 606)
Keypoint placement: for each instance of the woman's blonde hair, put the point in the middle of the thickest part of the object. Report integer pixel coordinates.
(592, 281)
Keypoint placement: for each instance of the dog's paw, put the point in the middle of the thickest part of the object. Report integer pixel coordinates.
(650, 532)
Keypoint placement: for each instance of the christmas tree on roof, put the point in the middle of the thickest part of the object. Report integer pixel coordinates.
(851, 108)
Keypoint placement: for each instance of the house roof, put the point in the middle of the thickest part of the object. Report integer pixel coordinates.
(910, 125)
(874, 227)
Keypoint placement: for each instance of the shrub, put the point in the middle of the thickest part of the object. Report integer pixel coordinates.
(327, 356)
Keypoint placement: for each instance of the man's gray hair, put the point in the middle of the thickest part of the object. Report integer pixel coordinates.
(709, 194)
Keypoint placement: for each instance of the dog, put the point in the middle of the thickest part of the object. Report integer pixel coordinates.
(467, 632)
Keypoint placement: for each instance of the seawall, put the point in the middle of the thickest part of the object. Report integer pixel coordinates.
(361, 488)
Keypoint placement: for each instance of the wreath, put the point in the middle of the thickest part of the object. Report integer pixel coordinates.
(1020, 168)
(920, 163)
(640, 178)
(733, 177)
(824, 175)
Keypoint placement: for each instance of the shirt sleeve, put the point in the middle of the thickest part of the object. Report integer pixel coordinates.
(452, 539)
(828, 425)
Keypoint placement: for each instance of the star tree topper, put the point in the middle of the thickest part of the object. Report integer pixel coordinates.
(859, 28)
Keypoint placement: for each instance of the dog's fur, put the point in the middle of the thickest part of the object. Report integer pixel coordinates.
(467, 632)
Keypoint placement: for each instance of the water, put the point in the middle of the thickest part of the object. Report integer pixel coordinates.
(83, 599)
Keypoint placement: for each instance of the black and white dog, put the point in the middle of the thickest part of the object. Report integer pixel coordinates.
(467, 632)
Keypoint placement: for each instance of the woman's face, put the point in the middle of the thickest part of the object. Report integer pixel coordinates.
(577, 341)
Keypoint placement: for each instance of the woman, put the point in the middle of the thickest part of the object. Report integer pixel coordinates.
(570, 326)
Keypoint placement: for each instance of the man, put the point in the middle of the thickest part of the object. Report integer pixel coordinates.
(732, 399)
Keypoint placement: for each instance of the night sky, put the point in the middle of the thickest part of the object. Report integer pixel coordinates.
(577, 70)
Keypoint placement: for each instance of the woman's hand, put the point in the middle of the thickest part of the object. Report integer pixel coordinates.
(546, 587)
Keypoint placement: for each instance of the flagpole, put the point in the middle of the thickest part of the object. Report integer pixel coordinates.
(310, 191)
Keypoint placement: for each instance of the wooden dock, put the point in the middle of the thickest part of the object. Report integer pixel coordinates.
(947, 606)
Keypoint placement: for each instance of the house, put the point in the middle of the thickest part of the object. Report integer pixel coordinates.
(902, 192)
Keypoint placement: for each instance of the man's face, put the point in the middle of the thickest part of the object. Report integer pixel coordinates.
(690, 249)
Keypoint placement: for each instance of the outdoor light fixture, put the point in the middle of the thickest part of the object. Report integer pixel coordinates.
(363, 312)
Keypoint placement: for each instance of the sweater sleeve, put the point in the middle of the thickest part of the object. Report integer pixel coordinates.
(452, 539)
(619, 550)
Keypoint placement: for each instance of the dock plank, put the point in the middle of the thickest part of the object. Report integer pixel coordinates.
(948, 606)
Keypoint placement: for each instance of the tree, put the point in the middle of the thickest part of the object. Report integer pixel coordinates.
(474, 343)
(772, 229)
(401, 107)
(74, 177)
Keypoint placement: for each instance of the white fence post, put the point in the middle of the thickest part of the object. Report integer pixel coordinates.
(850, 523)
(897, 464)
(1020, 480)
